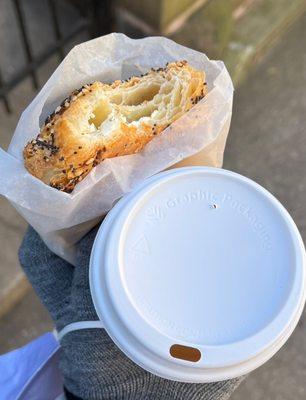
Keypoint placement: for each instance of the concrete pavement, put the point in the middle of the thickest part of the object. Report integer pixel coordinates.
(267, 143)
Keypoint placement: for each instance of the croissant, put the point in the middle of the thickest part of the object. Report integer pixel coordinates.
(101, 121)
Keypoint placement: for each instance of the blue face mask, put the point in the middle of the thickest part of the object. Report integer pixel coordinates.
(31, 371)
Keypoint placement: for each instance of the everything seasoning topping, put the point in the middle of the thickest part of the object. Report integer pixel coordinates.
(160, 69)
(66, 103)
(71, 170)
(196, 99)
(44, 145)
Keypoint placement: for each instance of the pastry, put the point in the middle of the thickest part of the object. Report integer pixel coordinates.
(102, 121)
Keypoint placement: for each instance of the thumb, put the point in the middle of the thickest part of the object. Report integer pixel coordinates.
(50, 276)
(81, 301)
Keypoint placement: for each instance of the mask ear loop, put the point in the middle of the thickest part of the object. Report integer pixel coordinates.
(75, 326)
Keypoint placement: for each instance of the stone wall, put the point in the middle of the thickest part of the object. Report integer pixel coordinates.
(237, 31)
(201, 24)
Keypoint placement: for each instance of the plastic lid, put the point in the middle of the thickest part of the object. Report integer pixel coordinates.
(198, 275)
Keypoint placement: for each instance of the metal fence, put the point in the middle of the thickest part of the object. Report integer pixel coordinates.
(96, 19)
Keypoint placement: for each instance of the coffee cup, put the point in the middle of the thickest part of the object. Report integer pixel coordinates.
(198, 275)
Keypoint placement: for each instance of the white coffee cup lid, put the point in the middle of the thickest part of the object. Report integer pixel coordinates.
(198, 275)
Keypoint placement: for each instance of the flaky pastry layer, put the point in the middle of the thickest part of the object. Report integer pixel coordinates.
(102, 121)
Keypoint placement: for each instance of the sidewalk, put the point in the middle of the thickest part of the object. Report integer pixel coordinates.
(268, 144)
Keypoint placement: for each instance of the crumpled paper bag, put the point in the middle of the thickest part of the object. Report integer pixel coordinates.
(62, 219)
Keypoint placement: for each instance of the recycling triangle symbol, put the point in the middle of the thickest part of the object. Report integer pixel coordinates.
(141, 246)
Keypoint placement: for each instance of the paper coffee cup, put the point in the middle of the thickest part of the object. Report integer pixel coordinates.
(198, 275)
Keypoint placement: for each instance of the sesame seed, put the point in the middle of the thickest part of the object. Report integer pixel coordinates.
(91, 160)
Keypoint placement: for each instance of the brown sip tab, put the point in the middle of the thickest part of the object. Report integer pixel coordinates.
(185, 353)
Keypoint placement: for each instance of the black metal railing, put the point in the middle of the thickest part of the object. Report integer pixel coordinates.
(95, 18)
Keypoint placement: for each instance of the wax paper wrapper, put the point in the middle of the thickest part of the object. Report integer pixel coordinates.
(197, 138)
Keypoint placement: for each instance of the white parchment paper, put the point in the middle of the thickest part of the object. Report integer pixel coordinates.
(62, 219)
